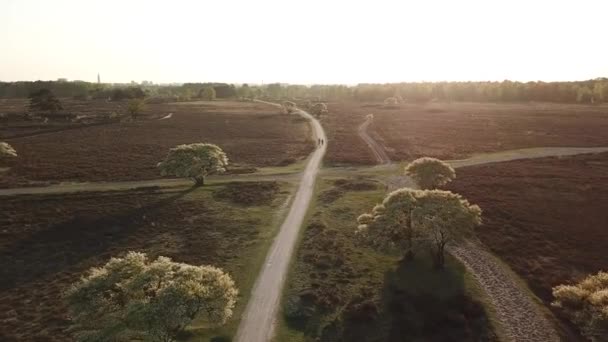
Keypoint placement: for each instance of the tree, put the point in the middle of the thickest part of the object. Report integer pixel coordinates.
(407, 214)
(318, 109)
(586, 305)
(444, 216)
(135, 298)
(207, 94)
(430, 173)
(244, 91)
(289, 107)
(135, 107)
(45, 100)
(7, 151)
(195, 161)
(390, 225)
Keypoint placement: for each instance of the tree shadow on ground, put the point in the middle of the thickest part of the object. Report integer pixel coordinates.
(64, 245)
(418, 303)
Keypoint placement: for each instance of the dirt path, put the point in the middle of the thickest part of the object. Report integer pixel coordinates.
(64, 188)
(378, 151)
(524, 153)
(520, 318)
(258, 319)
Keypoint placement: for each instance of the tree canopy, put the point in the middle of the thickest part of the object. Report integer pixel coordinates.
(195, 161)
(134, 298)
(407, 214)
(430, 173)
(586, 305)
(207, 93)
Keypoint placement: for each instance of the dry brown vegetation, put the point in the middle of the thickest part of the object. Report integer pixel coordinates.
(457, 130)
(46, 242)
(546, 218)
(252, 135)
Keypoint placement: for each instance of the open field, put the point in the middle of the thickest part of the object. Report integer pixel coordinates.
(458, 130)
(546, 218)
(252, 135)
(49, 240)
(341, 291)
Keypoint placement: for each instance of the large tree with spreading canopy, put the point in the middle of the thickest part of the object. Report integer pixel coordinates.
(134, 298)
(195, 161)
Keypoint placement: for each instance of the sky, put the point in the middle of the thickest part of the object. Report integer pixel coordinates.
(303, 41)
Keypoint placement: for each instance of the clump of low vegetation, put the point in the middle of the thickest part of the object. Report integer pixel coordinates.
(344, 185)
(391, 101)
(195, 161)
(406, 215)
(586, 305)
(133, 298)
(7, 151)
(44, 100)
(135, 107)
(248, 193)
(289, 107)
(430, 173)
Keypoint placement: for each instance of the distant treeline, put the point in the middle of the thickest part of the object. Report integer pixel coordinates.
(80, 89)
(591, 91)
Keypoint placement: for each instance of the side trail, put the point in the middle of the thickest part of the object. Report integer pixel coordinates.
(519, 316)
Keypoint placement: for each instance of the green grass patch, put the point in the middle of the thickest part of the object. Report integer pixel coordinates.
(339, 290)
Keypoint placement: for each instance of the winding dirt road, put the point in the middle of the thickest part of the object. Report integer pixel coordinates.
(520, 317)
(258, 319)
(378, 151)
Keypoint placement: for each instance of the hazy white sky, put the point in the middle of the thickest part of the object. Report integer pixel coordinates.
(303, 41)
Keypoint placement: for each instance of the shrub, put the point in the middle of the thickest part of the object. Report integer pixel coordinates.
(7, 151)
(391, 101)
(135, 298)
(45, 100)
(135, 107)
(586, 305)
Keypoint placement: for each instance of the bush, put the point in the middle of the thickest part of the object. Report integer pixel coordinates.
(7, 151)
(135, 107)
(586, 305)
(45, 100)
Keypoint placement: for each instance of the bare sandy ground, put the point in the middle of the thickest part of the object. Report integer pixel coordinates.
(378, 151)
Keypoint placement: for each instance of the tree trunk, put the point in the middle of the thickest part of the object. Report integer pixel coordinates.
(409, 255)
(199, 181)
(440, 255)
